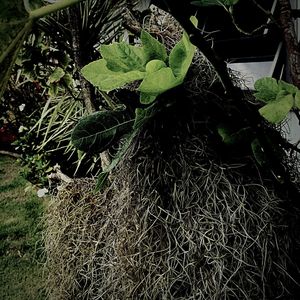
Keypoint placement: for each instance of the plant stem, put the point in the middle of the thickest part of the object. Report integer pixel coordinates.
(48, 9)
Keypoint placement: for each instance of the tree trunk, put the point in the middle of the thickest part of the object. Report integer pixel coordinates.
(79, 63)
(290, 38)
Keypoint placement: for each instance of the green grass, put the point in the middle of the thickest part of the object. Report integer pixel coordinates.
(20, 236)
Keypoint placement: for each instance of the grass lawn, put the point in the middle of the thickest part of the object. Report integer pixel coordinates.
(20, 235)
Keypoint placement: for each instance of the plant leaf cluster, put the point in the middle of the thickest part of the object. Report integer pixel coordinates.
(279, 96)
(121, 64)
(14, 27)
(16, 21)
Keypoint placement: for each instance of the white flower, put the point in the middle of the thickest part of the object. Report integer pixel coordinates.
(42, 192)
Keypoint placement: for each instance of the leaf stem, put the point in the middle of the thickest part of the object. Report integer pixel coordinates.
(48, 9)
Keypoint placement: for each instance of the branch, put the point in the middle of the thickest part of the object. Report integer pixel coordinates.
(263, 26)
(77, 55)
(290, 38)
(266, 12)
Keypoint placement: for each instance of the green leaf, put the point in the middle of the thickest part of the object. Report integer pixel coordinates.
(224, 132)
(231, 137)
(14, 28)
(102, 181)
(155, 65)
(96, 132)
(68, 80)
(194, 21)
(121, 57)
(103, 176)
(7, 64)
(53, 91)
(13, 18)
(297, 99)
(289, 88)
(147, 98)
(214, 2)
(181, 57)
(267, 89)
(158, 82)
(153, 49)
(106, 80)
(56, 76)
(276, 111)
(258, 152)
(15, 24)
(143, 115)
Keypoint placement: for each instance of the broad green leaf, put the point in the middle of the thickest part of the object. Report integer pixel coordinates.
(239, 137)
(106, 80)
(224, 132)
(103, 176)
(158, 82)
(153, 49)
(297, 99)
(276, 111)
(121, 57)
(56, 76)
(181, 57)
(155, 65)
(290, 88)
(143, 115)
(96, 132)
(258, 152)
(231, 137)
(267, 89)
(214, 2)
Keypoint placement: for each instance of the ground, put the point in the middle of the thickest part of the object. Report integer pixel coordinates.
(20, 234)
